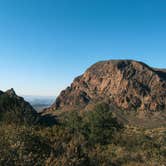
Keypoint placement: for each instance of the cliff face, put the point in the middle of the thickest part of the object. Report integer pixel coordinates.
(127, 84)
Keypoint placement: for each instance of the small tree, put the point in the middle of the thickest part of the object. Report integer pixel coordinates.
(72, 121)
(100, 125)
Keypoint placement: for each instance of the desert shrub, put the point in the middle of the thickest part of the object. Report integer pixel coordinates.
(142, 145)
(97, 126)
(73, 153)
(57, 145)
(100, 125)
(92, 138)
(22, 146)
(72, 121)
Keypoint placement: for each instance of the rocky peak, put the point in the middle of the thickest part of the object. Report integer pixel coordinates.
(126, 83)
(11, 92)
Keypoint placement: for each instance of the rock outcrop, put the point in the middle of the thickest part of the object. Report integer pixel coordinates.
(128, 84)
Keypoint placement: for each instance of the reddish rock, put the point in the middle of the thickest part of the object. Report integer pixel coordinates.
(130, 85)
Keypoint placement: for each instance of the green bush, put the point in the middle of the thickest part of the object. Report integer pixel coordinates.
(100, 125)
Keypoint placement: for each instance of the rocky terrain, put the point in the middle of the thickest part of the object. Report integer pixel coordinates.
(15, 108)
(127, 84)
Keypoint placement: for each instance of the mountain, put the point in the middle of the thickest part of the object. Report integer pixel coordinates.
(15, 109)
(127, 84)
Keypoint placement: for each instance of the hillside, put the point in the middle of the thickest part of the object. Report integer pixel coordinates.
(15, 109)
(129, 85)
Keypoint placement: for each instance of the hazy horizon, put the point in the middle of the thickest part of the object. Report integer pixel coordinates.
(45, 44)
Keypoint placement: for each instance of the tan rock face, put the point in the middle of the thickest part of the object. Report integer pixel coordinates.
(125, 83)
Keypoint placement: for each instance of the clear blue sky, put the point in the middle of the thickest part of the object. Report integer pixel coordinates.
(44, 44)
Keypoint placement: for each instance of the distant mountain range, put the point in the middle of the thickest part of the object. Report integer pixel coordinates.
(39, 102)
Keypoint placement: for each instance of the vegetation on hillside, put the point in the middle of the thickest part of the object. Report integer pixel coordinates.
(14, 109)
(91, 138)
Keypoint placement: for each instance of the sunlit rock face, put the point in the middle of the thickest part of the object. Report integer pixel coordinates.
(130, 85)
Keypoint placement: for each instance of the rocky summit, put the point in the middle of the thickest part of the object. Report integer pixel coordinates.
(128, 84)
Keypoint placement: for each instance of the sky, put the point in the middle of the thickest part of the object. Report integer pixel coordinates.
(45, 44)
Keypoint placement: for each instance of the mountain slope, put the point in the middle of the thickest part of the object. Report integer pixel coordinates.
(15, 109)
(128, 84)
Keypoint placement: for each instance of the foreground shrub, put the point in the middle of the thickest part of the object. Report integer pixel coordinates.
(92, 138)
(100, 125)
(22, 146)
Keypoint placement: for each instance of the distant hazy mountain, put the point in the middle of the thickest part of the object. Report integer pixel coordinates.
(39, 102)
